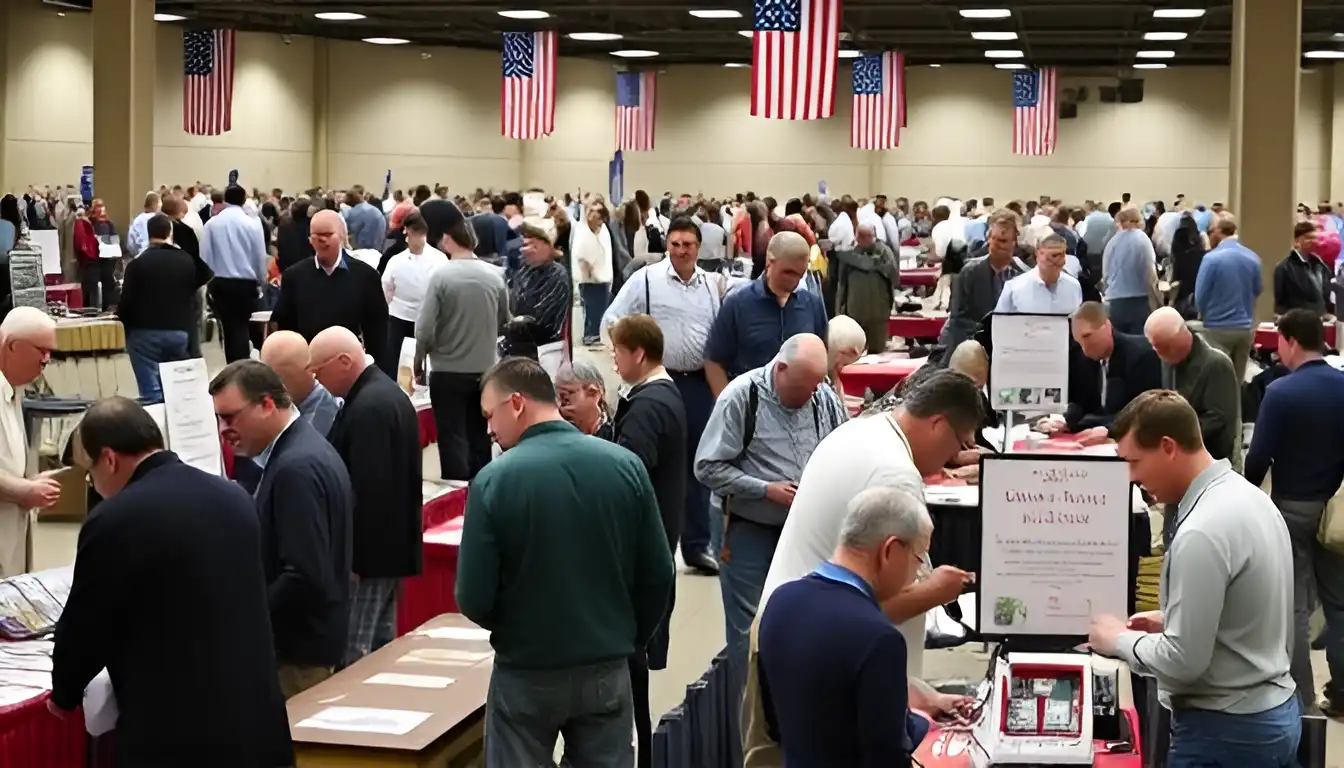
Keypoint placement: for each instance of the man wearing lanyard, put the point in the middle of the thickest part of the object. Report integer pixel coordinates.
(684, 299)
(832, 665)
(1218, 647)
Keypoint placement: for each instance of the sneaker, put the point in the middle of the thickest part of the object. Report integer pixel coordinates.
(592, 341)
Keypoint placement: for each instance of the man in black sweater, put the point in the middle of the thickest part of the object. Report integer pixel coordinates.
(198, 563)
(332, 289)
(157, 295)
(304, 501)
(377, 435)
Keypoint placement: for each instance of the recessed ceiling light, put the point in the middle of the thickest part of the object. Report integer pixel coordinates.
(1338, 36)
(634, 53)
(985, 13)
(746, 32)
(717, 13)
(935, 66)
(1156, 54)
(1164, 35)
(993, 35)
(1003, 54)
(386, 40)
(594, 37)
(525, 14)
(165, 17)
(1010, 66)
(1177, 13)
(1324, 54)
(849, 53)
(1151, 65)
(736, 65)
(340, 16)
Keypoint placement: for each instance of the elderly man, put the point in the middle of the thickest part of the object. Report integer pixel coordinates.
(27, 339)
(764, 427)
(1129, 269)
(867, 276)
(332, 290)
(233, 246)
(1108, 370)
(378, 437)
(542, 288)
(980, 283)
(1047, 288)
(286, 353)
(756, 319)
(1227, 285)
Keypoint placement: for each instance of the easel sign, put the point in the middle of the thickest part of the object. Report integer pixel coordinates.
(1029, 363)
(1055, 544)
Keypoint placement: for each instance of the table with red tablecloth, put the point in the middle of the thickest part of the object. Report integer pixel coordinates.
(952, 748)
(32, 737)
(429, 433)
(921, 276)
(915, 326)
(431, 593)
(1267, 336)
(70, 293)
(880, 376)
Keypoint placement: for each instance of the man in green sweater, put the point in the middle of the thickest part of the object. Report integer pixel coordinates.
(564, 560)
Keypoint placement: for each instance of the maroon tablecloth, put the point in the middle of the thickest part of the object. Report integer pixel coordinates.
(915, 326)
(920, 275)
(881, 377)
(428, 432)
(32, 737)
(71, 293)
(1268, 337)
(431, 593)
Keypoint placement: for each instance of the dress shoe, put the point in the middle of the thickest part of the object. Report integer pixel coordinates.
(703, 564)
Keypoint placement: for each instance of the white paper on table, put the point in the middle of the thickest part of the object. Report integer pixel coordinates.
(109, 247)
(48, 241)
(410, 681)
(457, 633)
(952, 495)
(100, 705)
(397, 722)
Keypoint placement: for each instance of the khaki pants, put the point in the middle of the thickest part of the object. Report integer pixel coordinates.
(758, 749)
(16, 542)
(1235, 343)
(297, 678)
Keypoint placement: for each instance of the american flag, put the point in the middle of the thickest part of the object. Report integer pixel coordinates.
(207, 82)
(1035, 113)
(636, 110)
(879, 101)
(794, 59)
(529, 85)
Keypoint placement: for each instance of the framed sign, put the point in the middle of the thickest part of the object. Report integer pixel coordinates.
(1029, 363)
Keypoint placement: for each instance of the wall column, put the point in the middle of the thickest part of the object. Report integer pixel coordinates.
(1337, 133)
(1266, 56)
(123, 105)
(6, 11)
(321, 113)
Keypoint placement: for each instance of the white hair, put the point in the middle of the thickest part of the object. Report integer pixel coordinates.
(844, 334)
(26, 323)
(580, 372)
(878, 513)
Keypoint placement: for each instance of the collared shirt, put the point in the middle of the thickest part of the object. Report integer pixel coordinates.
(319, 408)
(752, 326)
(340, 264)
(685, 310)
(1128, 264)
(233, 246)
(13, 463)
(1029, 293)
(263, 458)
(137, 239)
(1227, 285)
(406, 278)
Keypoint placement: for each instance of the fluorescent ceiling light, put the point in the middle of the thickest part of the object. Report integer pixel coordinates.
(1324, 54)
(717, 13)
(1164, 35)
(849, 53)
(746, 32)
(1003, 54)
(594, 37)
(1151, 65)
(634, 53)
(1178, 13)
(171, 17)
(736, 65)
(993, 35)
(985, 13)
(340, 16)
(1156, 54)
(526, 15)
(386, 40)
(1010, 66)
(935, 66)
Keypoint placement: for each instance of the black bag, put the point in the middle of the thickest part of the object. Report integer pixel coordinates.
(656, 243)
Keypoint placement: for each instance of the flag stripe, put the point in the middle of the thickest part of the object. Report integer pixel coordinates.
(207, 82)
(527, 93)
(635, 122)
(877, 117)
(793, 72)
(1036, 126)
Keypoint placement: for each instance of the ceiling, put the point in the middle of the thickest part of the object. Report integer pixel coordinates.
(1082, 34)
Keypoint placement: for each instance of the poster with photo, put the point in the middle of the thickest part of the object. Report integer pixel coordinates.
(1029, 363)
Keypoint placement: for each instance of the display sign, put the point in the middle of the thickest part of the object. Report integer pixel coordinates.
(193, 431)
(86, 184)
(1055, 545)
(1029, 363)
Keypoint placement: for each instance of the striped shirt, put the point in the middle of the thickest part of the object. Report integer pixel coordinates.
(685, 310)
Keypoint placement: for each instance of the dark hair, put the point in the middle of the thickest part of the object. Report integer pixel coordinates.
(9, 211)
(1303, 228)
(949, 394)
(415, 222)
(235, 195)
(1113, 209)
(522, 375)
(159, 227)
(642, 200)
(794, 205)
(639, 332)
(299, 208)
(1124, 197)
(1160, 413)
(1304, 327)
(683, 224)
(218, 197)
(120, 424)
(421, 194)
(940, 213)
(255, 380)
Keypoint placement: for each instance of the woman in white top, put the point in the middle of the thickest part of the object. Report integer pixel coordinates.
(404, 284)
(592, 260)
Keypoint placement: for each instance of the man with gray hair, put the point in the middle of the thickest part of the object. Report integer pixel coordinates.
(581, 393)
(27, 339)
(831, 663)
(1047, 289)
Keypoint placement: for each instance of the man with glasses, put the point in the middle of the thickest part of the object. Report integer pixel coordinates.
(304, 502)
(27, 339)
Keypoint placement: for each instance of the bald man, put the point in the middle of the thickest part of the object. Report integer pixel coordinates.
(756, 319)
(1204, 377)
(233, 245)
(764, 426)
(377, 435)
(286, 353)
(27, 338)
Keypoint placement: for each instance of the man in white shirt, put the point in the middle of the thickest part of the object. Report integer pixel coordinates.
(27, 338)
(1165, 229)
(1047, 289)
(869, 216)
(137, 239)
(946, 233)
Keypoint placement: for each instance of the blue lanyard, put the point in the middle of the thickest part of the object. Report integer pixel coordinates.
(841, 575)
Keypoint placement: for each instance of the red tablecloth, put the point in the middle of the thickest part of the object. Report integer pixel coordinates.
(71, 293)
(431, 593)
(1267, 336)
(879, 377)
(952, 749)
(915, 326)
(428, 432)
(32, 737)
(920, 275)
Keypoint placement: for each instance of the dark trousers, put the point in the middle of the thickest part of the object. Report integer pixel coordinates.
(1128, 315)
(194, 332)
(234, 301)
(639, 691)
(595, 298)
(698, 401)
(96, 274)
(464, 442)
(397, 329)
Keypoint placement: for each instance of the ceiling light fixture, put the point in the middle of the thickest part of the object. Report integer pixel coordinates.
(746, 33)
(1010, 66)
(386, 40)
(635, 53)
(717, 13)
(850, 53)
(736, 65)
(985, 13)
(935, 66)
(1151, 65)
(1003, 54)
(1164, 35)
(1324, 54)
(525, 15)
(989, 36)
(594, 37)
(1177, 13)
(168, 17)
(1338, 36)
(340, 16)
(1155, 55)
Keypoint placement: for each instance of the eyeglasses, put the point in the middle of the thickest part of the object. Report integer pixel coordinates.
(228, 418)
(45, 351)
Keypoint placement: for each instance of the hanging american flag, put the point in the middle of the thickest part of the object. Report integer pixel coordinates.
(1035, 113)
(794, 54)
(207, 82)
(528, 95)
(636, 110)
(879, 101)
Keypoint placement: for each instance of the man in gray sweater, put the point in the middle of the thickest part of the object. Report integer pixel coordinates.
(1218, 646)
(465, 306)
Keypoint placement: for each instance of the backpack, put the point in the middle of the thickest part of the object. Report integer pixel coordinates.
(749, 422)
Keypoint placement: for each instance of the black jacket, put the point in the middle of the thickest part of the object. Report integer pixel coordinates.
(312, 301)
(209, 695)
(184, 237)
(378, 436)
(291, 242)
(651, 423)
(1301, 282)
(1134, 368)
(158, 291)
(305, 502)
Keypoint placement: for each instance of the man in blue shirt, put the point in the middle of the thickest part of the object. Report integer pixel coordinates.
(1047, 289)
(1299, 437)
(832, 666)
(286, 352)
(1129, 269)
(233, 245)
(755, 320)
(1226, 287)
(365, 223)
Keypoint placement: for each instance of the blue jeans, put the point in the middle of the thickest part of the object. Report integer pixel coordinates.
(699, 401)
(147, 349)
(595, 298)
(526, 710)
(1204, 739)
(744, 561)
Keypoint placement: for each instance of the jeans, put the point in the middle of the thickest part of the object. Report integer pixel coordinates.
(1128, 315)
(744, 561)
(1319, 573)
(595, 298)
(1205, 739)
(699, 401)
(464, 440)
(591, 706)
(148, 348)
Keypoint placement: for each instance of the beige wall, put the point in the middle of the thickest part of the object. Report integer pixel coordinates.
(436, 119)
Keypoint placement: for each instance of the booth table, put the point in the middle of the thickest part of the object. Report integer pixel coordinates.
(1267, 336)
(881, 375)
(429, 433)
(32, 737)
(70, 293)
(927, 276)
(915, 326)
(431, 593)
